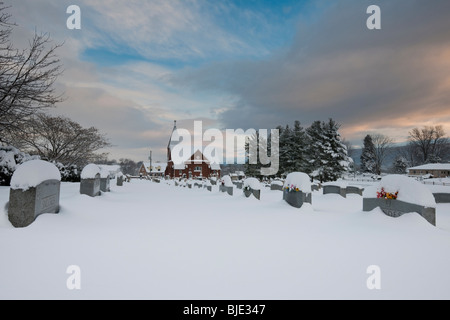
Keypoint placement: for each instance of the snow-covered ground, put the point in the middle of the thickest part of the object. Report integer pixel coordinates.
(154, 241)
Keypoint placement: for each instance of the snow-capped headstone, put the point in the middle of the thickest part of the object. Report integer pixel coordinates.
(119, 178)
(35, 189)
(441, 197)
(226, 185)
(397, 195)
(354, 190)
(207, 185)
(336, 187)
(104, 180)
(297, 189)
(276, 185)
(238, 184)
(90, 180)
(252, 186)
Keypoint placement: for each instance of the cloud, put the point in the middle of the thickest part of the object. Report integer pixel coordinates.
(391, 79)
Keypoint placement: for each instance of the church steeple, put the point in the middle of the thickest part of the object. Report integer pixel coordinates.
(169, 157)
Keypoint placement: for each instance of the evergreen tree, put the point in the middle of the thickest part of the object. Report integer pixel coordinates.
(368, 157)
(299, 143)
(252, 169)
(327, 154)
(286, 151)
(400, 165)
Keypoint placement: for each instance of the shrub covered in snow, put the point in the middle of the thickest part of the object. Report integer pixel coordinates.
(10, 159)
(68, 173)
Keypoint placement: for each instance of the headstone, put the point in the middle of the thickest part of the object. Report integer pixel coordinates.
(442, 197)
(396, 208)
(297, 199)
(249, 191)
(104, 184)
(328, 189)
(354, 190)
(119, 178)
(275, 186)
(90, 187)
(396, 195)
(31, 195)
(297, 189)
(226, 189)
(90, 180)
(25, 206)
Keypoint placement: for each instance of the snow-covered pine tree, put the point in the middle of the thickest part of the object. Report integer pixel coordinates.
(340, 161)
(286, 151)
(299, 143)
(315, 149)
(400, 165)
(368, 157)
(328, 157)
(252, 170)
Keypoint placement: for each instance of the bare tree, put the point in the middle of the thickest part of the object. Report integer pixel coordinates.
(61, 139)
(410, 153)
(26, 77)
(350, 147)
(382, 145)
(430, 141)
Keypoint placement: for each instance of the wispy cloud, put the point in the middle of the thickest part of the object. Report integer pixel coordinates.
(387, 80)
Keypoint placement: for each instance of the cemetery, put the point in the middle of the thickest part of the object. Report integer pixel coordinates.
(391, 208)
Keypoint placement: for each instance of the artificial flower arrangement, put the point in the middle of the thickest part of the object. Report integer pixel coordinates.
(386, 195)
(292, 188)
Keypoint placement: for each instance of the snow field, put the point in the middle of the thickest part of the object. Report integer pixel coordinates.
(156, 241)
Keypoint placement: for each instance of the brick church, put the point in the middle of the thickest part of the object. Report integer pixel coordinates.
(196, 166)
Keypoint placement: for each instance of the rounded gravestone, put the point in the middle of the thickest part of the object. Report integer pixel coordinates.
(297, 189)
(35, 189)
(104, 180)
(226, 185)
(276, 185)
(90, 180)
(252, 186)
(119, 178)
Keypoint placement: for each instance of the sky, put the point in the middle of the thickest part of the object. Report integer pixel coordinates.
(136, 66)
